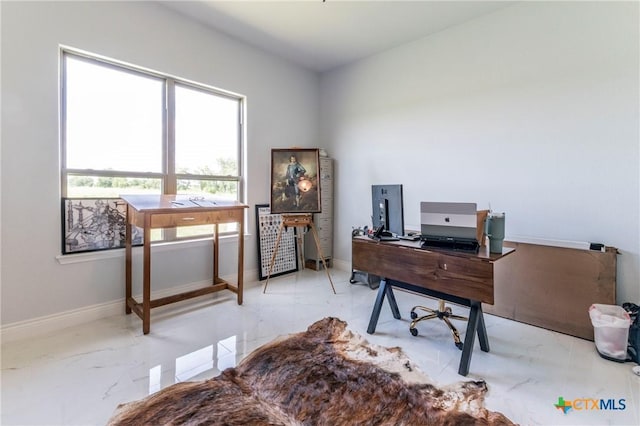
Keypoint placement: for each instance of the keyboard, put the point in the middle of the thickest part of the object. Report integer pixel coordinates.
(470, 246)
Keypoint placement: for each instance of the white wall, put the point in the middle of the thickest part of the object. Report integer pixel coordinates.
(282, 111)
(534, 109)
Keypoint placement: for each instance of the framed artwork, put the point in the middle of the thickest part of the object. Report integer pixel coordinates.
(91, 224)
(268, 226)
(295, 182)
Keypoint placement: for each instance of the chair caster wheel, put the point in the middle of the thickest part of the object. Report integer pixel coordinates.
(352, 281)
(414, 331)
(413, 315)
(459, 345)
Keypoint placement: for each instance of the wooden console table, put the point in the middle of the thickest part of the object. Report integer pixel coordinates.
(553, 287)
(169, 211)
(458, 277)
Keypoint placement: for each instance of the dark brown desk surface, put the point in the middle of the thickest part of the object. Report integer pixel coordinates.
(483, 253)
(461, 277)
(461, 274)
(168, 211)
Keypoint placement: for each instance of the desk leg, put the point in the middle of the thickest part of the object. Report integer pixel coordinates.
(392, 302)
(385, 289)
(482, 331)
(475, 324)
(127, 266)
(146, 278)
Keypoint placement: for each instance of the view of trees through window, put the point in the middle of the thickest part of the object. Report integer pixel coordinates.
(127, 130)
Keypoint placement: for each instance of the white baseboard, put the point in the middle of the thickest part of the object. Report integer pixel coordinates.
(47, 324)
(44, 325)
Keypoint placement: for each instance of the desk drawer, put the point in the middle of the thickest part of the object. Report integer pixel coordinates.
(466, 277)
(195, 218)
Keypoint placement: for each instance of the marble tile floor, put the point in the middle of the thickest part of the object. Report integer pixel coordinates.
(79, 375)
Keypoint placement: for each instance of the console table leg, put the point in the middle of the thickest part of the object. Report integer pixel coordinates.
(127, 264)
(146, 278)
(216, 245)
(240, 261)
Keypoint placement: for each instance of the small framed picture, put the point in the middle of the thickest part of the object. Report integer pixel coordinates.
(295, 182)
(91, 224)
(286, 259)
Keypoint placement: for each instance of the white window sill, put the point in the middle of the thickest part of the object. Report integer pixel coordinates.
(155, 247)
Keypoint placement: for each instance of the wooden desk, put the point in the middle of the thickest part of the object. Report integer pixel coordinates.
(169, 211)
(459, 277)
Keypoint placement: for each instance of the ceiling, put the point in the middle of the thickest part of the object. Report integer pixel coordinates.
(324, 35)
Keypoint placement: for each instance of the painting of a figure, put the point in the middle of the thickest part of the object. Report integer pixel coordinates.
(295, 184)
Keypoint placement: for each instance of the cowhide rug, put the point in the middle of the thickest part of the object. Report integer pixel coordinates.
(326, 375)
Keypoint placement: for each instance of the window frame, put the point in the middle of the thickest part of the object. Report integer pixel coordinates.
(168, 177)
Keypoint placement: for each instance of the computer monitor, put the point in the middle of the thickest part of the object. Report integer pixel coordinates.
(388, 209)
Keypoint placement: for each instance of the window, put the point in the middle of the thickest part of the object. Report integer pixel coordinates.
(127, 130)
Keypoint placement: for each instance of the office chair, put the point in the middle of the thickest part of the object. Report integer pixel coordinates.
(443, 313)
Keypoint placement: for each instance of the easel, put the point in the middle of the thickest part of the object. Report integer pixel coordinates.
(297, 220)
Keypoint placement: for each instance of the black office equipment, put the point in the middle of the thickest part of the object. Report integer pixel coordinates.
(388, 209)
(455, 244)
(449, 226)
(381, 235)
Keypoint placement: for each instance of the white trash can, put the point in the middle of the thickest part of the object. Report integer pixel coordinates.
(611, 330)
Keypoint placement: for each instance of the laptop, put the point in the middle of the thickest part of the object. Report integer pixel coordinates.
(449, 226)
